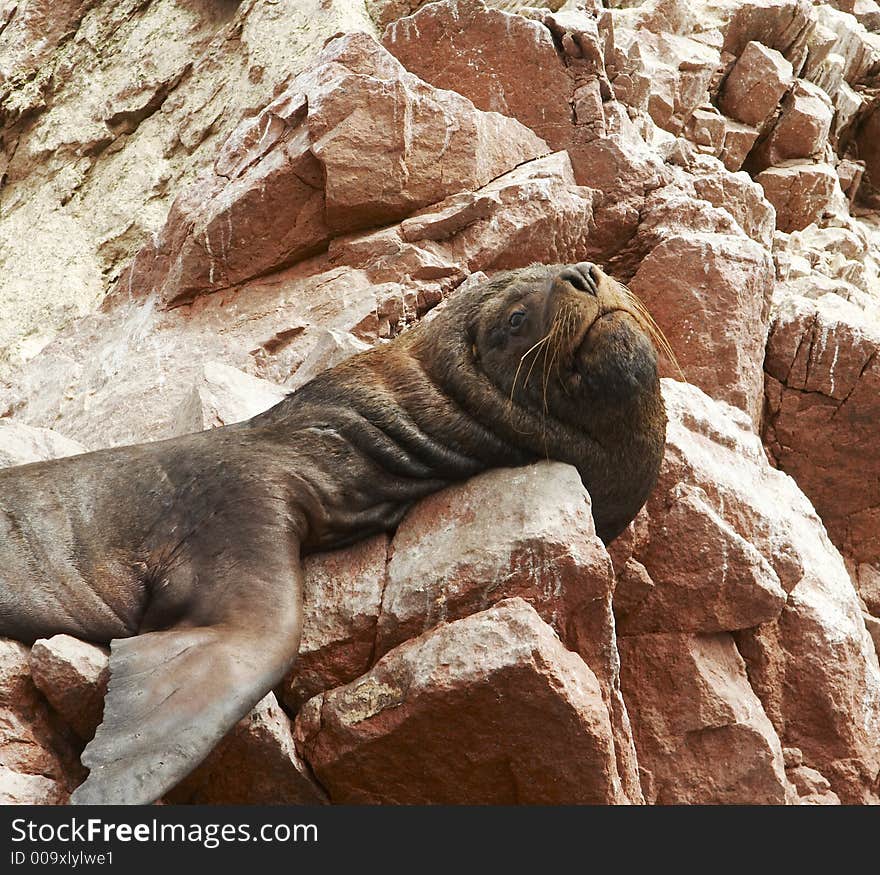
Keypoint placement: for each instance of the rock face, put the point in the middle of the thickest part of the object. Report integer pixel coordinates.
(701, 732)
(221, 200)
(491, 684)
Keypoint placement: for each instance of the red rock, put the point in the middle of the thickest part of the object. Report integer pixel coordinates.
(738, 141)
(800, 193)
(707, 128)
(820, 647)
(21, 444)
(740, 196)
(701, 734)
(713, 580)
(312, 164)
(755, 84)
(868, 577)
(823, 386)
(868, 140)
(501, 60)
(850, 175)
(72, 675)
(533, 213)
(449, 559)
(716, 499)
(872, 624)
(341, 603)
(38, 762)
(208, 241)
(520, 719)
(710, 293)
(480, 52)
(783, 25)
(812, 786)
(256, 763)
(816, 654)
(676, 70)
(801, 131)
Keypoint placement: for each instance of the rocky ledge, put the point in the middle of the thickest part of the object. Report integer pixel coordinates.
(221, 200)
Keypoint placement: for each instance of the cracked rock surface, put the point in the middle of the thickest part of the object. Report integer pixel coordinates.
(203, 205)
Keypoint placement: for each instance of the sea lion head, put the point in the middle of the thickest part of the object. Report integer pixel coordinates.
(560, 361)
(554, 337)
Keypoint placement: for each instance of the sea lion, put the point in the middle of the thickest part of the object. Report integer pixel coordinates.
(184, 554)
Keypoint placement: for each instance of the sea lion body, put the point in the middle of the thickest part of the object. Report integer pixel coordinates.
(185, 554)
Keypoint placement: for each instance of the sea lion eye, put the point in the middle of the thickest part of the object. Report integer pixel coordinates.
(517, 318)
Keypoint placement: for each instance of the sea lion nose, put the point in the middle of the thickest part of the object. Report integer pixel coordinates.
(583, 276)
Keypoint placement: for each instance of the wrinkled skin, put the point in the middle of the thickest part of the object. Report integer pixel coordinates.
(184, 555)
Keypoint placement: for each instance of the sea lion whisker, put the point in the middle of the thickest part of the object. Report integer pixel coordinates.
(647, 321)
(554, 333)
(549, 369)
(521, 360)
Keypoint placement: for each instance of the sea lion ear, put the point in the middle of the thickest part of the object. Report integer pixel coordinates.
(475, 352)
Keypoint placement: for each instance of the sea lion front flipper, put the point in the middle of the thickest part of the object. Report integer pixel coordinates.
(173, 694)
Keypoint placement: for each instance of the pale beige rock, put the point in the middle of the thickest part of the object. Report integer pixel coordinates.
(858, 48)
(330, 349)
(523, 720)
(21, 444)
(223, 395)
(72, 675)
(701, 734)
(121, 377)
(101, 129)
